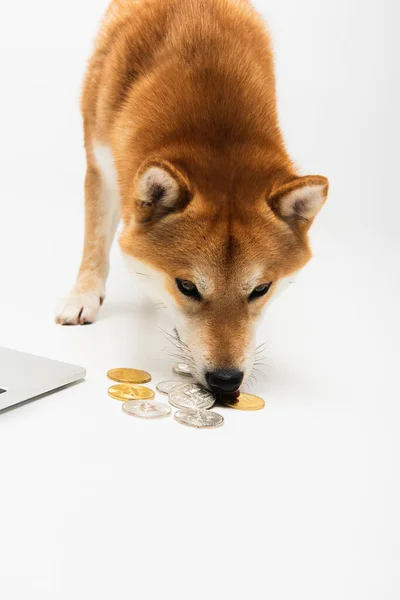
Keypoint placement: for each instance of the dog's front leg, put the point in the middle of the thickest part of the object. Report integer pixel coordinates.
(102, 213)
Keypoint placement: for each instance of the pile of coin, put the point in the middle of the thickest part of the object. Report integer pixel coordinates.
(191, 399)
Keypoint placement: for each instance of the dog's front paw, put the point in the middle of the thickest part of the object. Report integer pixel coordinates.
(79, 308)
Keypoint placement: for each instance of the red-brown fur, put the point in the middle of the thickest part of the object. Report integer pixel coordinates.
(189, 85)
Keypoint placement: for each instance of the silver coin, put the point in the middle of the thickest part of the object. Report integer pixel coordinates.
(146, 410)
(166, 386)
(202, 419)
(190, 395)
(182, 369)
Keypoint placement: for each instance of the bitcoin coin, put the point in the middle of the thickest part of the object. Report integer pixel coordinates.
(146, 410)
(202, 419)
(246, 402)
(126, 391)
(129, 376)
(182, 369)
(166, 386)
(190, 395)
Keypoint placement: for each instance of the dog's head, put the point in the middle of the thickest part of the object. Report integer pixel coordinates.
(216, 258)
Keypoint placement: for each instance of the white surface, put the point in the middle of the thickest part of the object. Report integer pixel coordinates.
(298, 501)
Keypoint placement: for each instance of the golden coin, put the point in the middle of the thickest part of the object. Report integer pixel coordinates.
(126, 391)
(129, 376)
(246, 402)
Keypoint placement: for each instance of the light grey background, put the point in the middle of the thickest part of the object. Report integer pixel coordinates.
(300, 500)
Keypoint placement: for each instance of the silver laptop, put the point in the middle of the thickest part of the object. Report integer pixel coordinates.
(25, 376)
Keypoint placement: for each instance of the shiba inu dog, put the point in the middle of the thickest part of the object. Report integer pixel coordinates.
(183, 142)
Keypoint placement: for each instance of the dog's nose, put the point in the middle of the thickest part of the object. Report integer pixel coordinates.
(225, 380)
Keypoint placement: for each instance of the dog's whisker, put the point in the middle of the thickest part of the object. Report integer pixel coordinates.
(159, 306)
(259, 372)
(181, 357)
(176, 334)
(261, 355)
(178, 356)
(171, 336)
(182, 348)
(178, 339)
(257, 367)
(177, 351)
(182, 352)
(259, 375)
(251, 381)
(260, 350)
(173, 340)
(262, 345)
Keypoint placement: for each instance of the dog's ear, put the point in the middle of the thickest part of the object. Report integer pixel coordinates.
(299, 201)
(160, 188)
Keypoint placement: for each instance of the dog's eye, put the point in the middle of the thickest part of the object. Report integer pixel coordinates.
(188, 288)
(260, 290)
